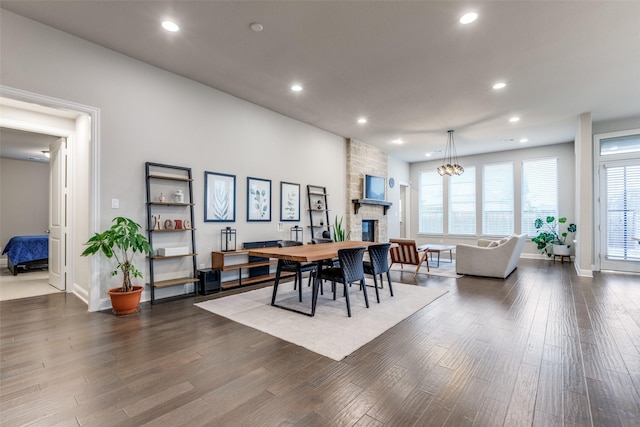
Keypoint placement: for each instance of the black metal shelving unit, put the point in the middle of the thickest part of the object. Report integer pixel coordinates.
(160, 176)
(318, 209)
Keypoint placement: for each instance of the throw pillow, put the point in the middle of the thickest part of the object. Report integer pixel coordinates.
(493, 244)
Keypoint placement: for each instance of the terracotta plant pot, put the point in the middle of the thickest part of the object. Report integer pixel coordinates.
(125, 302)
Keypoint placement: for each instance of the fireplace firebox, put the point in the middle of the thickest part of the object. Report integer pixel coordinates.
(368, 230)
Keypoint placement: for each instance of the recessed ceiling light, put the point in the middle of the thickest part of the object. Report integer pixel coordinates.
(523, 140)
(499, 85)
(468, 18)
(397, 141)
(256, 26)
(170, 26)
(428, 154)
(296, 88)
(514, 119)
(362, 120)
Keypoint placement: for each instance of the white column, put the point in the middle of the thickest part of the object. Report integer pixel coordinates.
(584, 203)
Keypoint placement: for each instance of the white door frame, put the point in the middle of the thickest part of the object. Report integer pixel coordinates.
(600, 205)
(92, 296)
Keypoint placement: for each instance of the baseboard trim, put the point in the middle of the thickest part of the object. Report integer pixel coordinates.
(81, 293)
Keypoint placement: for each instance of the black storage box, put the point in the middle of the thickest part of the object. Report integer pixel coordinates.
(209, 281)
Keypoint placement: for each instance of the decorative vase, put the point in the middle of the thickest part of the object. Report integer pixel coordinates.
(179, 196)
(562, 250)
(125, 302)
(162, 198)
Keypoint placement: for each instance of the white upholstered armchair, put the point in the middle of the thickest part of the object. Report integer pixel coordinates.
(490, 258)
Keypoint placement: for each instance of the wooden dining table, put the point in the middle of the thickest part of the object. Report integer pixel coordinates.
(306, 253)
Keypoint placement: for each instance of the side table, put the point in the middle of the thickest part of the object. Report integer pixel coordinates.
(437, 249)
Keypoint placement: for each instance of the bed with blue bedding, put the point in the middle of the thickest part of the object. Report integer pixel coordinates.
(27, 252)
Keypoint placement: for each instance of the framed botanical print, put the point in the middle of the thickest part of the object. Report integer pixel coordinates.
(289, 201)
(219, 197)
(258, 199)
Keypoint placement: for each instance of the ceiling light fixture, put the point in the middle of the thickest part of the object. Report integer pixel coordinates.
(397, 141)
(46, 153)
(499, 85)
(256, 26)
(170, 26)
(450, 158)
(362, 120)
(296, 88)
(468, 18)
(523, 140)
(514, 119)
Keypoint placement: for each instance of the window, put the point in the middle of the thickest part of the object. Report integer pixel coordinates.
(497, 199)
(620, 145)
(462, 202)
(430, 213)
(622, 212)
(539, 192)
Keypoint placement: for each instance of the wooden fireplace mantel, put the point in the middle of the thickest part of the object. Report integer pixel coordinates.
(359, 202)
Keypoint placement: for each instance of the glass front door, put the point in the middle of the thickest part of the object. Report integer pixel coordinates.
(620, 203)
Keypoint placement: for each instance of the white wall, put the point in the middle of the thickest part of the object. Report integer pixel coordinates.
(399, 171)
(565, 155)
(616, 125)
(148, 114)
(24, 210)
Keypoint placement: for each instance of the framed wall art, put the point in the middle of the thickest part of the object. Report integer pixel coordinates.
(289, 201)
(258, 199)
(219, 197)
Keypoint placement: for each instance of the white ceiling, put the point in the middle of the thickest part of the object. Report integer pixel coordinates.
(410, 67)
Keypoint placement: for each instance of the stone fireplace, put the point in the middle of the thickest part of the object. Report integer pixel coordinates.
(365, 159)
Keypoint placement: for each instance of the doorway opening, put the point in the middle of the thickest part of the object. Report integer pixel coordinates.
(76, 125)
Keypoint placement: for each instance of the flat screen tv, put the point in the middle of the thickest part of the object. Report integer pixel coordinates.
(374, 187)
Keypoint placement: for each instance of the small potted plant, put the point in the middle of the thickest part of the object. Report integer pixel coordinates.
(550, 240)
(122, 241)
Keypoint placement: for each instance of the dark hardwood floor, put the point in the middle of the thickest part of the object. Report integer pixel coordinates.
(542, 348)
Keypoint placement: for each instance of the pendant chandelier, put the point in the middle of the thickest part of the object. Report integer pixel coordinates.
(450, 164)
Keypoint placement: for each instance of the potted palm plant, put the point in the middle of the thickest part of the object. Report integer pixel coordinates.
(550, 240)
(122, 241)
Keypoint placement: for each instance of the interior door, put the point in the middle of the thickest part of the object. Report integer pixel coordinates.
(57, 213)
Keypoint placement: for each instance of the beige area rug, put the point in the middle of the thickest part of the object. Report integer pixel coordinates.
(342, 334)
(445, 269)
(24, 285)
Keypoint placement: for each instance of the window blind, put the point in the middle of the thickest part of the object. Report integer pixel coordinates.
(431, 216)
(623, 212)
(462, 202)
(497, 199)
(539, 192)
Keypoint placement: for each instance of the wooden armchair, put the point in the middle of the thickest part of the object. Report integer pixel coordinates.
(406, 252)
